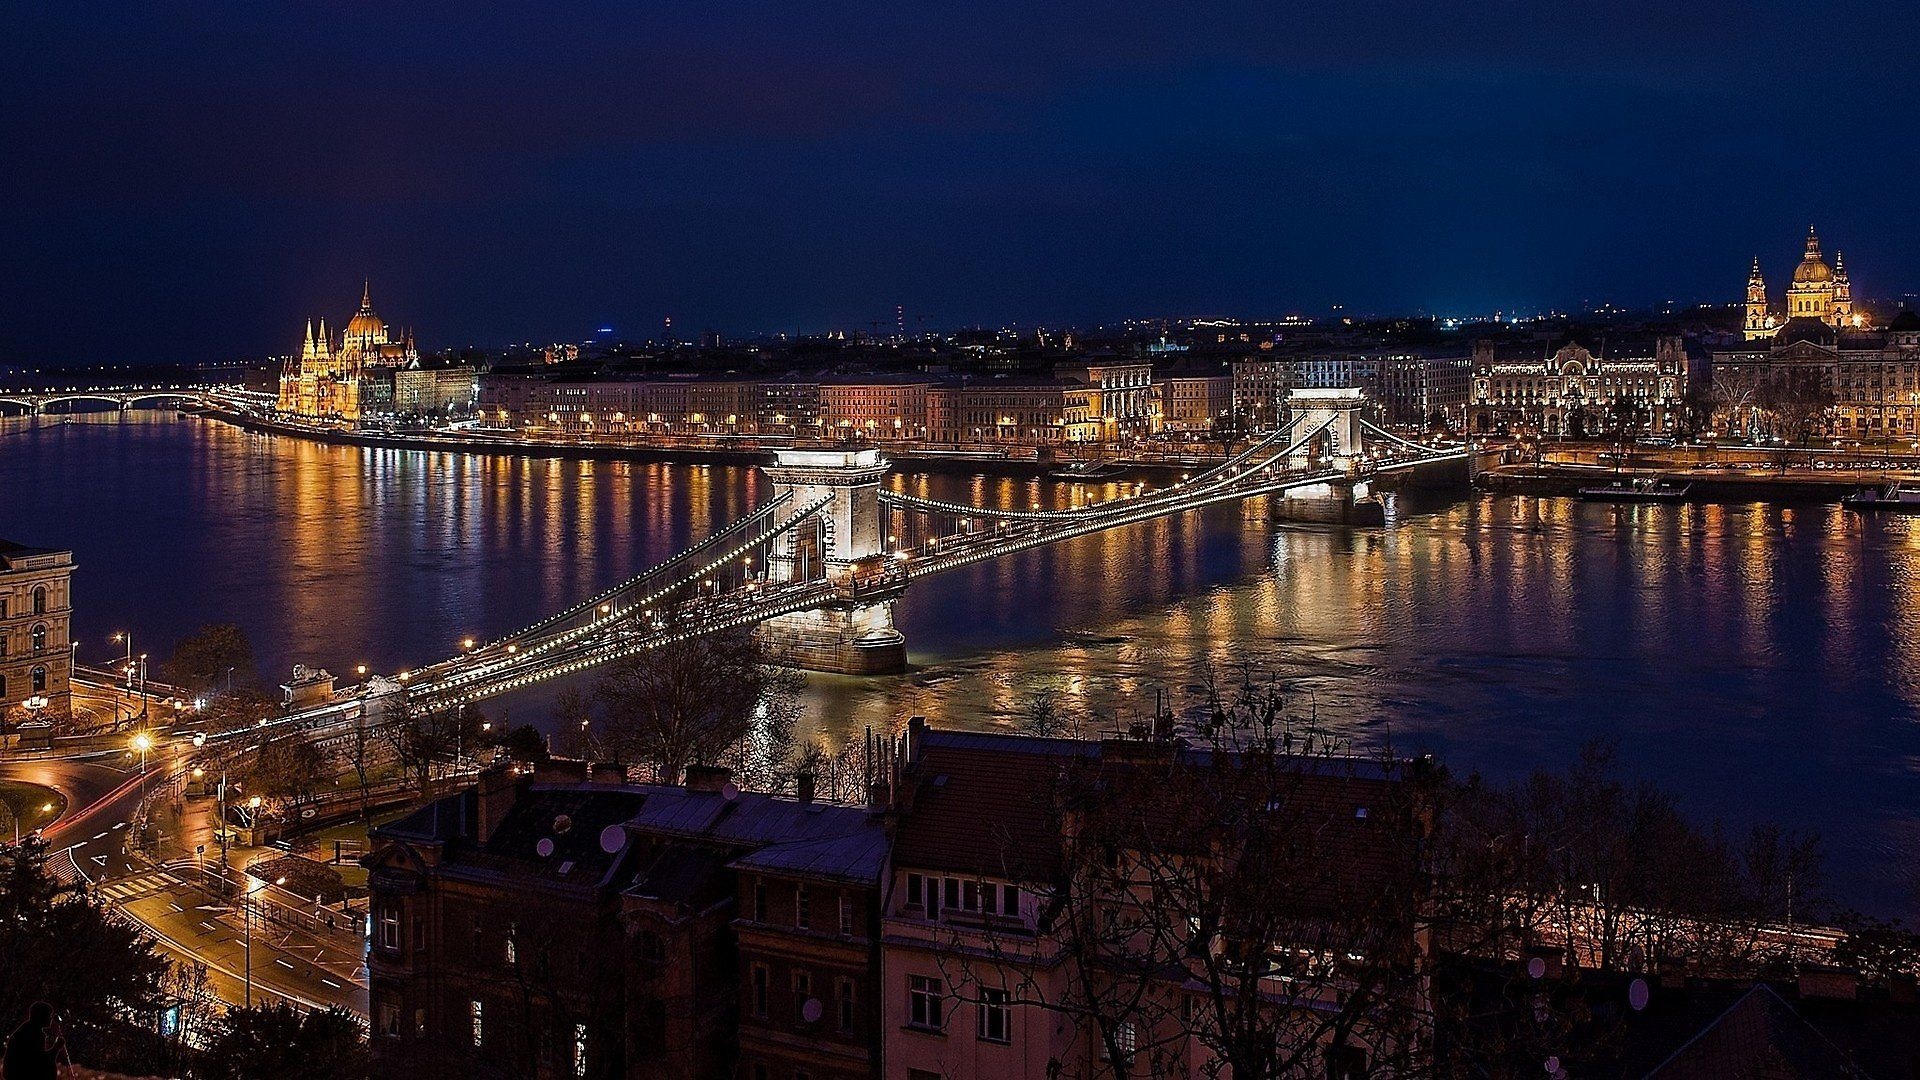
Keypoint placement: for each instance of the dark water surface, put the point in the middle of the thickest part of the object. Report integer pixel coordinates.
(1762, 660)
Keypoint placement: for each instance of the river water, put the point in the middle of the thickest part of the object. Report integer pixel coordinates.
(1761, 660)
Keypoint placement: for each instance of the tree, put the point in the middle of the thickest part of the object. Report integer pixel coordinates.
(202, 661)
(244, 708)
(525, 744)
(689, 702)
(1234, 893)
(1798, 400)
(421, 737)
(58, 945)
(288, 768)
(274, 1040)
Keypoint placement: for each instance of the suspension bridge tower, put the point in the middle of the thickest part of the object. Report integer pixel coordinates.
(1338, 411)
(1335, 414)
(837, 544)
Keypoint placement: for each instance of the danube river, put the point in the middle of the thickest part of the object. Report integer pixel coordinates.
(1761, 660)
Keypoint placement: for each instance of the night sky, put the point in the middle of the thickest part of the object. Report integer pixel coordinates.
(187, 182)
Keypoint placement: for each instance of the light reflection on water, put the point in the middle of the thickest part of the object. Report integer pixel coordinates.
(1762, 659)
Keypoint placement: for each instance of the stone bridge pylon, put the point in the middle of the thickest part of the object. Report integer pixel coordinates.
(838, 543)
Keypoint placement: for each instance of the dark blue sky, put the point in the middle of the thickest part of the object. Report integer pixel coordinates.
(192, 181)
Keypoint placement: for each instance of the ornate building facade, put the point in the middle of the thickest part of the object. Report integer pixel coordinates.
(36, 609)
(1575, 388)
(1818, 292)
(351, 380)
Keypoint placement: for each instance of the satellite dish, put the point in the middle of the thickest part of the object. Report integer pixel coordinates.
(545, 847)
(729, 792)
(1637, 994)
(1537, 968)
(811, 1010)
(561, 823)
(612, 839)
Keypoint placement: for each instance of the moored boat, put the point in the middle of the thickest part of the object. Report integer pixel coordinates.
(1892, 497)
(1645, 489)
(1088, 470)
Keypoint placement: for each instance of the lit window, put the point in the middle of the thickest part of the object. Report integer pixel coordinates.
(579, 1049)
(476, 1013)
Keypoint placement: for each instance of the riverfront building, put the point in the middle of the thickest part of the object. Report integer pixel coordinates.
(1408, 388)
(349, 379)
(1580, 385)
(36, 613)
(1819, 342)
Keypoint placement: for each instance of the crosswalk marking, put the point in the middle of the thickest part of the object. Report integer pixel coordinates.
(139, 885)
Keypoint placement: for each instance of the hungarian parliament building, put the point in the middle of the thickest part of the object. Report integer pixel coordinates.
(367, 373)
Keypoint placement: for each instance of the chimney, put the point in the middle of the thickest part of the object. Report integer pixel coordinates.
(803, 787)
(494, 795)
(916, 738)
(608, 774)
(708, 777)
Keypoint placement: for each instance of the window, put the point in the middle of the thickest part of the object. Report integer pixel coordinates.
(39, 680)
(802, 908)
(846, 914)
(802, 991)
(579, 1049)
(759, 901)
(3, 687)
(419, 935)
(389, 1020)
(39, 637)
(925, 997)
(952, 891)
(995, 1017)
(845, 1007)
(512, 949)
(759, 979)
(916, 889)
(390, 927)
(40, 600)
(476, 1013)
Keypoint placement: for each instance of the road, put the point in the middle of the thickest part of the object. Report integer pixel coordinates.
(177, 903)
(101, 801)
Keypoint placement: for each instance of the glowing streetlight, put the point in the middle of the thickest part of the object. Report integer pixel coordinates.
(466, 643)
(142, 742)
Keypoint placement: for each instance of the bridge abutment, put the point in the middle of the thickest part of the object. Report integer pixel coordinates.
(1336, 502)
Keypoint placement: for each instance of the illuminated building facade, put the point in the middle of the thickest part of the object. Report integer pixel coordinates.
(1194, 402)
(1818, 292)
(350, 380)
(36, 611)
(1012, 410)
(1872, 374)
(1574, 388)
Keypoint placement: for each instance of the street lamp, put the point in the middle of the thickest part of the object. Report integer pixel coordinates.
(142, 742)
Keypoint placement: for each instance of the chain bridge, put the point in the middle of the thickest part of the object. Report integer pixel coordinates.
(817, 567)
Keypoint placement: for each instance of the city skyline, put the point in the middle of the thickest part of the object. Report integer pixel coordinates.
(512, 179)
